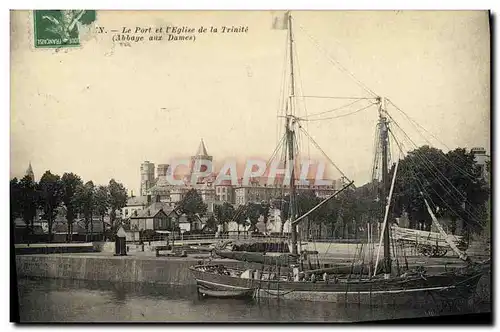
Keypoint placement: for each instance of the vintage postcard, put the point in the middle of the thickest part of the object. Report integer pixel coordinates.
(250, 166)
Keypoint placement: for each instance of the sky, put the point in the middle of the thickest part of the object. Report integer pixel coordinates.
(101, 109)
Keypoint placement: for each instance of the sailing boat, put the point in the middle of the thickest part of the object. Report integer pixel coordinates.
(286, 278)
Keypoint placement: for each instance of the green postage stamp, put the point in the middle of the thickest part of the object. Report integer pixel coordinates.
(59, 28)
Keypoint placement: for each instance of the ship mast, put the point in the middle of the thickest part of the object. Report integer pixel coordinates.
(384, 130)
(290, 135)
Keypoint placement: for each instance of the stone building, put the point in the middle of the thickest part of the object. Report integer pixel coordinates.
(147, 177)
(482, 159)
(134, 203)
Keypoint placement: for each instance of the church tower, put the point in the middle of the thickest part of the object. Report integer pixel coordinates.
(29, 172)
(201, 154)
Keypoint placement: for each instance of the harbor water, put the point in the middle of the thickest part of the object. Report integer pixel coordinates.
(63, 300)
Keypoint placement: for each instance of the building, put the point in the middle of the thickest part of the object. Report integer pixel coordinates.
(482, 159)
(224, 192)
(154, 217)
(258, 190)
(147, 176)
(189, 226)
(134, 204)
(254, 193)
(206, 191)
(94, 231)
(200, 156)
(163, 170)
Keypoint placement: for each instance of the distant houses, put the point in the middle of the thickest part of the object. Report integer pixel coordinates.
(141, 214)
(60, 230)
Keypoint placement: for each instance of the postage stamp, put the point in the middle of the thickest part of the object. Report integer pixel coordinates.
(60, 28)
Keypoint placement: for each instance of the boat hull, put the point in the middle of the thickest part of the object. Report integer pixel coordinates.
(410, 291)
(207, 290)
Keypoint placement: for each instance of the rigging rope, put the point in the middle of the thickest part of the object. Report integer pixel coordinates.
(415, 124)
(448, 192)
(329, 57)
(336, 109)
(343, 115)
(281, 100)
(276, 150)
(299, 77)
(417, 178)
(324, 154)
(422, 157)
(339, 97)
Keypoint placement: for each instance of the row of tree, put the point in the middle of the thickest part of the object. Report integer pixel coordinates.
(68, 193)
(451, 182)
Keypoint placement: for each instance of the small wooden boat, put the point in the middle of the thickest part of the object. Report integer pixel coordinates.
(225, 294)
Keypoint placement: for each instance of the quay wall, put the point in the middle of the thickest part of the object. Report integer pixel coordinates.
(115, 269)
(174, 271)
(56, 248)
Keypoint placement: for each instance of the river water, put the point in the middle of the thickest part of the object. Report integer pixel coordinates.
(58, 300)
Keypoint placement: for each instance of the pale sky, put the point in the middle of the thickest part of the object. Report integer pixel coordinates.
(97, 110)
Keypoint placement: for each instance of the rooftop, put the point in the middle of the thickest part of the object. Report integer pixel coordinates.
(137, 201)
(152, 210)
(202, 150)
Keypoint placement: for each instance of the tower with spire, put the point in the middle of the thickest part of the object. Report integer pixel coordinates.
(29, 172)
(201, 155)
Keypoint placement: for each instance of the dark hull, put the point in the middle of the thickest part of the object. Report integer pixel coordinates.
(398, 291)
(256, 257)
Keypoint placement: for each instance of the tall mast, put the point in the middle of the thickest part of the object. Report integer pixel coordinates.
(384, 129)
(290, 141)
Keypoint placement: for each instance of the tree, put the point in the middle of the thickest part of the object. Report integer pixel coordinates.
(224, 213)
(85, 200)
(252, 213)
(211, 225)
(451, 183)
(219, 214)
(51, 194)
(102, 203)
(15, 200)
(328, 214)
(70, 182)
(117, 199)
(282, 204)
(240, 217)
(306, 200)
(264, 211)
(472, 190)
(28, 201)
(192, 205)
